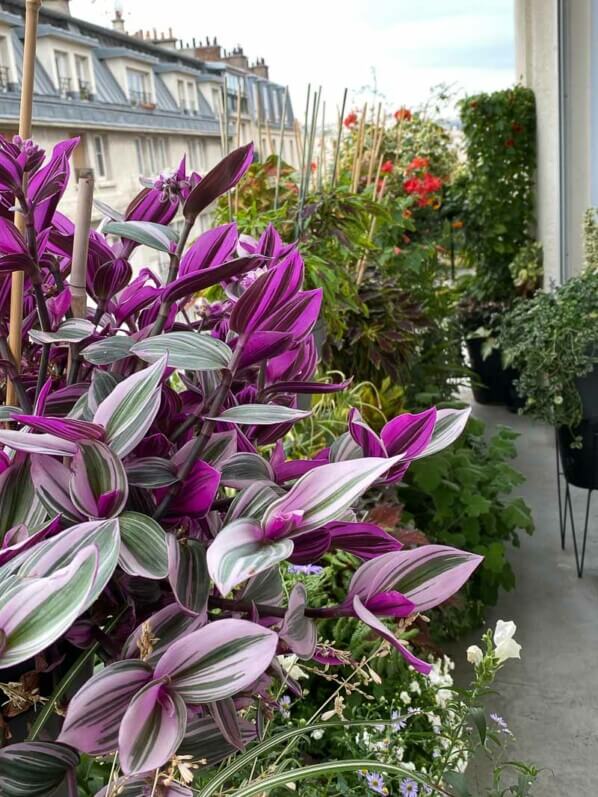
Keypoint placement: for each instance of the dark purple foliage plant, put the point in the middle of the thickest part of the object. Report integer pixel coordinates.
(146, 502)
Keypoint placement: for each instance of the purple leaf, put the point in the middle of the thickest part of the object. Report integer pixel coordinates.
(98, 485)
(196, 494)
(95, 713)
(218, 661)
(166, 626)
(364, 540)
(200, 280)
(297, 630)
(51, 479)
(224, 176)
(65, 428)
(152, 728)
(37, 443)
(210, 249)
(188, 574)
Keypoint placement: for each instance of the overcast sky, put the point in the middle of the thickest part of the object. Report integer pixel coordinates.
(402, 47)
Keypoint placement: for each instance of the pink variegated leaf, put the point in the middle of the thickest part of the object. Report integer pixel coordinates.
(152, 728)
(427, 575)
(218, 661)
(240, 552)
(324, 494)
(143, 546)
(297, 630)
(98, 486)
(37, 443)
(165, 626)
(66, 428)
(129, 410)
(188, 574)
(95, 713)
(35, 769)
(448, 427)
(51, 479)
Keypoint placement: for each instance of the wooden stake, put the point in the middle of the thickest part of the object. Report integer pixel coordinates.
(283, 120)
(81, 245)
(338, 139)
(239, 116)
(269, 136)
(298, 143)
(322, 163)
(359, 151)
(376, 136)
(32, 8)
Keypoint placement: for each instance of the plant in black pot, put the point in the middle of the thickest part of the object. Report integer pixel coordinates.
(498, 201)
(552, 341)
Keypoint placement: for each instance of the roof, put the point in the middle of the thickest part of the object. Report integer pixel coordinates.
(111, 108)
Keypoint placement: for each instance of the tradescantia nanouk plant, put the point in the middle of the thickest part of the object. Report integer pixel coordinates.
(145, 499)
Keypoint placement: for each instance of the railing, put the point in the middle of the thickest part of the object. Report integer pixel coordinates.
(85, 92)
(65, 86)
(141, 98)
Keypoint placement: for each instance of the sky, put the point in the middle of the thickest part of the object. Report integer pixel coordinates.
(394, 49)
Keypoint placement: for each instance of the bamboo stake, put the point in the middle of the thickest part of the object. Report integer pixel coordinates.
(283, 120)
(239, 116)
(359, 151)
(305, 136)
(269, 136)
(225, 114)
(338, 139)
(78, 277)
(322, 163)
(259, 122)
(298, 143)
(32, 8)
(376, 137)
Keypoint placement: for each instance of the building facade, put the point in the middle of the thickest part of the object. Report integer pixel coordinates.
(557, 56)
(138, 102)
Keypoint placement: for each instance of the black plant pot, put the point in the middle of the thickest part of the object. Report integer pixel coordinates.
(494, 384)
(580, 465)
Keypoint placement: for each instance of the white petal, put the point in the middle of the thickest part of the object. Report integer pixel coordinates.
(508, 649)
(474, 655)
(504, 630)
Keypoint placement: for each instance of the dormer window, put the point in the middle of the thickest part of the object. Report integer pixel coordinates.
(82, 70)
(138, 83)
(187, 96)
(64, 82)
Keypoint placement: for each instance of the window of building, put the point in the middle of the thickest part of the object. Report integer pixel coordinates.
(192, 97)
(180, 84)
(197, 154)
(100, 157)
(64, 81)
(216, 101)
(82, 71)
(5, 72)
(139, 87)
(160, 155)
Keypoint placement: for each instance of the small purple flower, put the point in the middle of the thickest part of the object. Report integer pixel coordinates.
(376, 782)
(398, 722)
(284, 705)
(305, 570)
(170, 185)
(503, 727)
(409, 788)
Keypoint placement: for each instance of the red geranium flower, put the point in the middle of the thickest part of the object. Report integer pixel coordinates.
(403, 114)
(387, 167)
(509, 143)
(314, 166)
(431, 184)
(350, 119)
(418, 163)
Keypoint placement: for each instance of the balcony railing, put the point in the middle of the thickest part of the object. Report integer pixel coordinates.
(85, 92)
(142, 99)
(65, 86)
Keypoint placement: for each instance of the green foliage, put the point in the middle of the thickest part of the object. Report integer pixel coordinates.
(552, 341)
(457, 497)
(500, 140)
(590, 239)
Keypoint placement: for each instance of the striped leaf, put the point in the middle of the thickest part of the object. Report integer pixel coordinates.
(37, 443)
(148, 233)
(190, 351)
(221, 447)
(226, 717)
(218, 661)
(51, 479)
(203, 739)
(35, 769)
(95, 713)
(297, 630)
(188, 574)
(19, 502)
(165, 626)
(252, 502)
(143, 548)
(7, 411)
(73, 330)
(60, 551)
(244, 469)
(34, 612)
(448, 427)
(102, 385)
(427, 575)
(260, 414)
(98, 486)
(240, 552)
(108, 350)
(129, 410)
(151, 472)
(324, 494)
(152, 728)
(266, 587)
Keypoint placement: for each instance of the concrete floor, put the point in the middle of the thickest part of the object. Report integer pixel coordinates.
(550, 697)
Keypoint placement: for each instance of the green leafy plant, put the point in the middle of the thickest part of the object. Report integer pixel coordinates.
(552, 341)
(463, 496)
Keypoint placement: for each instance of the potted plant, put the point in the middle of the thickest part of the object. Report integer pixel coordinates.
(497, 191)
(552, 341)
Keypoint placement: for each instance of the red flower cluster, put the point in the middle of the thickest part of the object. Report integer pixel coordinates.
(421, 183)
(350, 119)
(387, 167)
(403, 114)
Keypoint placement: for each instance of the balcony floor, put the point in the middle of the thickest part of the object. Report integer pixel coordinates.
(550, 698)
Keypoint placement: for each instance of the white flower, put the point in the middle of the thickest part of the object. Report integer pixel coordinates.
(474, 655)
(405, 697)
(290, 666)
(317, 734)
(415, 687)
(505, 645)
